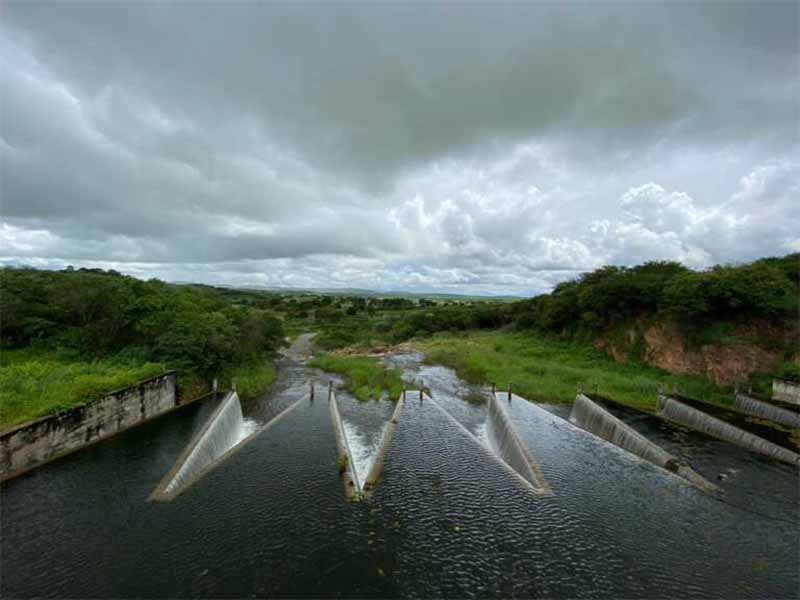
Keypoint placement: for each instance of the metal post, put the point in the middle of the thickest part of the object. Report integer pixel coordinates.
(215, 385)
(493, 389)
(580, 387)
(330, 390)
(509, 391)
(421, 388)
(311, 385)
(233, 384)
(404, 393)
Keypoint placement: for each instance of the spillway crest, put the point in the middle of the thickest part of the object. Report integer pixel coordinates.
(765, 410)
(344, 456)
(222, 432)
(595, 419)
(505, 440)
(680, 413)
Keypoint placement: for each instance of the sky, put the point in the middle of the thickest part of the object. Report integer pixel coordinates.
(460, 147)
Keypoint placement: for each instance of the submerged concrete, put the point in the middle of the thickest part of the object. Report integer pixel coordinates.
(32, 444)
(678, 412)
(764, 410)
(376, 468)
(509, 445)
(219, 438)
(598, 421)
(344, 457)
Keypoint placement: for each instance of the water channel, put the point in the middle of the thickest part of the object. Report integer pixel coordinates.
(444, 521)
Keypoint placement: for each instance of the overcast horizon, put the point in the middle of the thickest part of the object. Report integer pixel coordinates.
(454, 148)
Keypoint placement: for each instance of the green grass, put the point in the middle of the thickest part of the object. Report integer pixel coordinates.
(251, 380)
(365, 377)
(549, 370)
(34, 384)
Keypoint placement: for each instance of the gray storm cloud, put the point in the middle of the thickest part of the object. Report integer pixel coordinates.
(488, 148)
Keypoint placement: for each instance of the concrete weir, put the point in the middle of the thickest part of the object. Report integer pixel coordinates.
(764, 410)
(376, 468)
(344, 457)
(598, 421)
(222, 435)
(680, 413)
(504, 437)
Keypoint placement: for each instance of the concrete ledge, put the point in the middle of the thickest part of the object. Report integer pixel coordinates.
(601, 423)
(29, 445)
(344, 458)
(678, 412)
(376, 468)
(786, 391)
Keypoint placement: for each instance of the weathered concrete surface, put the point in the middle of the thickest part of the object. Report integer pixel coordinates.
(376, 468)
(786, 391)
(596, 420)
(29, 445)
(682, 414)
(344, 458)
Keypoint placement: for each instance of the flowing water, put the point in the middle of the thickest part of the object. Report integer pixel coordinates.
(445, 520)
(224, 430)
(681, 413)
(765, 410)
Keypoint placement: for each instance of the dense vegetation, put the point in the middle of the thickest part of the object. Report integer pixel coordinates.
(768, 288)
(76, 333)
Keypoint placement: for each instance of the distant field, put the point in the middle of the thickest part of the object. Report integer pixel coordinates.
(37, 384)
(549, 370)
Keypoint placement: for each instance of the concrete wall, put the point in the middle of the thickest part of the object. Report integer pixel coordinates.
(31, 444)
(786, 391)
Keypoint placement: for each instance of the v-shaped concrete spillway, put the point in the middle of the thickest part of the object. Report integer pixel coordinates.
(356, 488)
(595, 419)
(505, 440)
(223, 433)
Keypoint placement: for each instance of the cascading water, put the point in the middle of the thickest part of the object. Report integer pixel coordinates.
(765, 410)
(224, 430)
(598, 421)
(344, 457)
(672, 410)
(505, 441)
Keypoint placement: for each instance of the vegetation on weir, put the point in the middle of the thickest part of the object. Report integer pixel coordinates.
(34, 384)
(365, 376)
(547, 369)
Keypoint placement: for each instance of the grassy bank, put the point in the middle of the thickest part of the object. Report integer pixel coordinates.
(251, 380)
(548, 370)
(36, 384)
(365, 377)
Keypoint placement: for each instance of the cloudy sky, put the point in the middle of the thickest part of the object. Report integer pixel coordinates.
(474, 148)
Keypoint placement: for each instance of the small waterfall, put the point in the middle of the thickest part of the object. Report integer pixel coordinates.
(225, 429)
(505, 441)
(672, 410)
(344, 457)
(374, 473)
(598, 421)
(765, 410)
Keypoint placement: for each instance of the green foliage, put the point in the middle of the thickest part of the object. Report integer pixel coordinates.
(365, 377)
(767, 288)
(251, 379)
(548, 369)
(37, 384)
(97, 314)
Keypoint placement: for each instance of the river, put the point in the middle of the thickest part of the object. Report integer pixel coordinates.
(444, 521)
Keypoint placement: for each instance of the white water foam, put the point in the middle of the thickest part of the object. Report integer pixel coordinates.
(362, 451)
